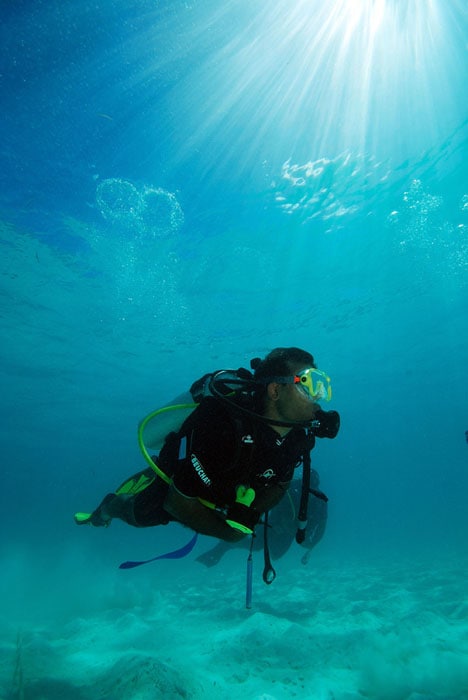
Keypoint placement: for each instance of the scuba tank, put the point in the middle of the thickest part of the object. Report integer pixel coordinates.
(156, 426)
(223, 384)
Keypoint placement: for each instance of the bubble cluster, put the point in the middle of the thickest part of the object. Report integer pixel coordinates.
(420, 201)
(162, 212)
(118, 199)
(425, 230)
(329, 189)
(418, 219)
(152, 210)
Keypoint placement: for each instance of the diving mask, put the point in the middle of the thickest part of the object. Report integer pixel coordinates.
(314, 383)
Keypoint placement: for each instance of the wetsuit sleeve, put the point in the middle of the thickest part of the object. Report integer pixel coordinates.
(206, 452)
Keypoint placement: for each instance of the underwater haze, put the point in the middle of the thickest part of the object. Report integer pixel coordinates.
(186, 185)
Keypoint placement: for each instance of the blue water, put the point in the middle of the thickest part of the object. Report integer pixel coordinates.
(186, 185)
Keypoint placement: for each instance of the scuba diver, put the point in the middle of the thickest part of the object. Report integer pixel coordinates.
(282, 522)
(233, 458)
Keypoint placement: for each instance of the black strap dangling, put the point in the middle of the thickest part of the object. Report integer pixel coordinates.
(304, 505)
(248, 588)
(269, 574)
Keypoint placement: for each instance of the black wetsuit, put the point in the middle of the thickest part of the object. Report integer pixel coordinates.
(216, 450)
(219, 450)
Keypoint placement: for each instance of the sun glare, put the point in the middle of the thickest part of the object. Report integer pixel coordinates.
(317, 78)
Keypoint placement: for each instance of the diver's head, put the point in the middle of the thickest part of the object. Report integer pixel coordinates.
(286, 388)
(281, 362)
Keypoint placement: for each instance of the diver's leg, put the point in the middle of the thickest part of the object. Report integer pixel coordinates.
(112, 506)
(120, 504)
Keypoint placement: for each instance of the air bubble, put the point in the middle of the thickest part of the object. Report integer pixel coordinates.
(163, 214)
(118, 200)
(155, 210)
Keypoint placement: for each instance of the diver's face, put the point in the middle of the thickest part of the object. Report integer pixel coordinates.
(293, 404)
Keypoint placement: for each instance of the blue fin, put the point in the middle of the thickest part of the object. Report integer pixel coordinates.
(176, 554)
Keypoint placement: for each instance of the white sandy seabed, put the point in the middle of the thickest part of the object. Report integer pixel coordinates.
(332, 630)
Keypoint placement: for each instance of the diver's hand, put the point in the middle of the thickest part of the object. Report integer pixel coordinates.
(240, 515)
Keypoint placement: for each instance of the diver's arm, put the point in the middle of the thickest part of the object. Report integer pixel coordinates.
(189, 511)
